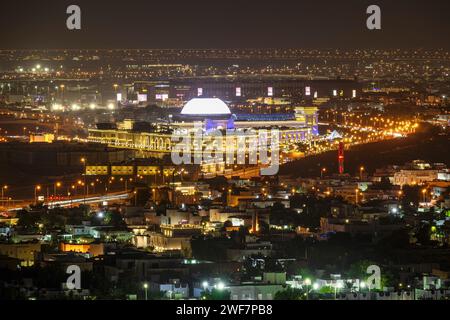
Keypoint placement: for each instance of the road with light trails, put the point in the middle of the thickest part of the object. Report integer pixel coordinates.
(110, 197)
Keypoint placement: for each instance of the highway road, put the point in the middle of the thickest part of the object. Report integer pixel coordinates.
(90, 199)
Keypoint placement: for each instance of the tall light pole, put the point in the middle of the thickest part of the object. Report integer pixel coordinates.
(156, 176)
(356, 196)
(55, 189)
(36, 189)
(424, 192)
(362, 285)
(83, 161)
(322, 171)
(307, 283)
(361, 170)
(336, 287)
(145, 290)
(5, 187)
(205, 285)
(62, 93)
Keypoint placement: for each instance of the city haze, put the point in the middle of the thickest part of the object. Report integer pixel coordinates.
(224, 24)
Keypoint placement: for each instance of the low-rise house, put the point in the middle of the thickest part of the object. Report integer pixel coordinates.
(264, 290)
(25, 251)
(172, 289)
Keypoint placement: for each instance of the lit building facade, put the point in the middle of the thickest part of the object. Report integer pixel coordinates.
(210, 114)
(413, 177)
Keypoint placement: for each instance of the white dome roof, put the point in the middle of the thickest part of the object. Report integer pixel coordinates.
(205, 106)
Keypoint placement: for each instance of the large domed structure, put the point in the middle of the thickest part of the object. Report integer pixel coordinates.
(213, 112)
(205, 107)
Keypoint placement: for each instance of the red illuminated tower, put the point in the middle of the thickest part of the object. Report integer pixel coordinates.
(341, 157)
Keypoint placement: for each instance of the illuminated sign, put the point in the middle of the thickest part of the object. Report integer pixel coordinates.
(162, 96)
(168, 171)
(147, 170)
(237, 222)
(199, 92)
(308, 91)
(270, 91)
(353, 93)
(96, 170)
(119, 97)
(238, 92)
(334, 93)
(122, 170)
(142, 97)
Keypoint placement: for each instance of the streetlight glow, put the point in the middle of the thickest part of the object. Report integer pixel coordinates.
(220, 286)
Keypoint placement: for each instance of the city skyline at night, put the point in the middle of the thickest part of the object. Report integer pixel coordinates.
(286, 153)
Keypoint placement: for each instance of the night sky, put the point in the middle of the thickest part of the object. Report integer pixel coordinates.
(225, 24)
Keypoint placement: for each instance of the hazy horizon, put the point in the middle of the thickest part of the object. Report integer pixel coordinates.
(173, 24)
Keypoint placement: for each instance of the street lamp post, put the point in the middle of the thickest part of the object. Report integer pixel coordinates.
(83, 161)
(36, 189)
(361, 170)
(55, 189)
(3, 194)
(62, 92)
(145, 290)
(362, 285)
(307, 283)
(336, 287)
(205, 285)
(322, 172)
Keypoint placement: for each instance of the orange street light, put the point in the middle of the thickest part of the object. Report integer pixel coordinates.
(361, 170)
(3, 195)
(36, 189)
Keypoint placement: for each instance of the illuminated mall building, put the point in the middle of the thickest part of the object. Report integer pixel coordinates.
(210, 114)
